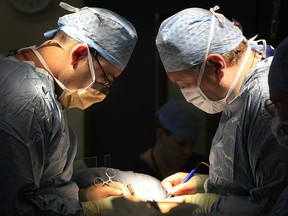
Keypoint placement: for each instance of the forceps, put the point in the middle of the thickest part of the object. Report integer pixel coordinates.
(110, 173)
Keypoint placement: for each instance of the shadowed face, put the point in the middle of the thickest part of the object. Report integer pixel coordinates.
(176, 150)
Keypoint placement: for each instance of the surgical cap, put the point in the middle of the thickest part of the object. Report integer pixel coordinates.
(182, 39)
(278, 74)
(107, 32)
(181, 118)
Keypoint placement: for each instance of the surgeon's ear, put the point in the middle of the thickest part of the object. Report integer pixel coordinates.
(77, 52)
(218, 62)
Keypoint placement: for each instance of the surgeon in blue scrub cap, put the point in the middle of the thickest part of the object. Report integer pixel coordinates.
(220, 71)
(73, 69)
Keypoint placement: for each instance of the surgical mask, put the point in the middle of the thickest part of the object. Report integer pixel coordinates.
(278, 131)
(196, 95)
(80, 98)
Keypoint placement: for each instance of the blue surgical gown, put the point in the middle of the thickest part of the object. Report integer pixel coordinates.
(37, 148)
(248, 168)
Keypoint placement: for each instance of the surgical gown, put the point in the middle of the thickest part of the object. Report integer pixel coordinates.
(280, 208)
(37, 148)
(248, 168)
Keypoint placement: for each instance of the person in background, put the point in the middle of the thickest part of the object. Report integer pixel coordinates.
(73, 69)
(277, 105)
(220, 71)
(178, 127)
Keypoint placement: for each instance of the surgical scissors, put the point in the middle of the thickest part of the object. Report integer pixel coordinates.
(110, 173)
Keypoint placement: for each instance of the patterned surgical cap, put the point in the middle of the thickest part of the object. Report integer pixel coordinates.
(278, 74)
(110, 34)
(182, 39)
(181, 118)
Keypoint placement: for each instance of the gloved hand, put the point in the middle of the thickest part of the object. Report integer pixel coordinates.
(122, 206)
(96, 208)
(203, 200)
(116, 206)
(132, 206)
(99, 192)
(194, 185)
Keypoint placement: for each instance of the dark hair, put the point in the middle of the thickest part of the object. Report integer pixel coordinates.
(63, 38)
(234, 55)
(230, 57)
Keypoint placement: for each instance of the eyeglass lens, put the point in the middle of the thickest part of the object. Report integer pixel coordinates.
(95, 53)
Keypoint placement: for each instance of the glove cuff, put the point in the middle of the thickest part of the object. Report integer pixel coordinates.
(203, 200)
(200, 180)
(97, 208)
(83, 195)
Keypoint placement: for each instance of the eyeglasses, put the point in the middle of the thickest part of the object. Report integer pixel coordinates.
(106, 86)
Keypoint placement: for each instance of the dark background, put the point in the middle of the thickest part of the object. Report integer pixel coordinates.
(123, 124)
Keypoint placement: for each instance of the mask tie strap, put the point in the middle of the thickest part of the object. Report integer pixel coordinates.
(219, 16)
(210, 37)
(255, 46)
(47, 68)
(76, 10)
(239, 72)
(67, 7)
